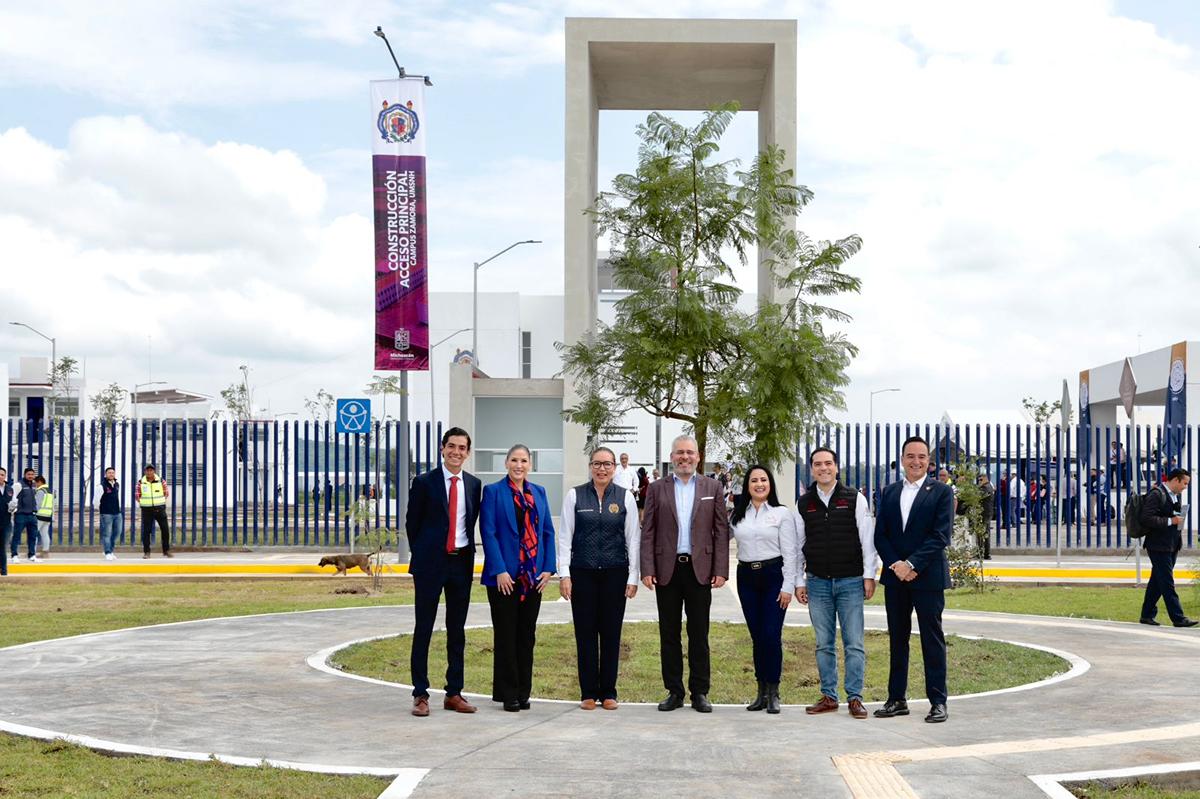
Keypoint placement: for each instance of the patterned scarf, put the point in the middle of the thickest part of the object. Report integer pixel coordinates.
(527, 510)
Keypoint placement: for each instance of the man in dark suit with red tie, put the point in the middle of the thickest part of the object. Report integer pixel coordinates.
(443, 507)
(912, 530)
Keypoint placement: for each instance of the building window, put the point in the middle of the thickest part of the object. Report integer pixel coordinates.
(14, 406)
(66, 406)
(526, 354)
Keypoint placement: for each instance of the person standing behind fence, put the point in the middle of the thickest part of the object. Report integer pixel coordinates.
(987, 512)
(151, 496)
(25, 521)
(44, 498)
(1016, 498)
(111, 518)
(1162, 519)
(7, 503)
(599, 553)
(766, 576)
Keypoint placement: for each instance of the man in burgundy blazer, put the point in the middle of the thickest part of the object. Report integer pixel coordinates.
(685, 554)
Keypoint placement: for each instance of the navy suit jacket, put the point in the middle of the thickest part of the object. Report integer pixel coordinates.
(427, 522)
(501, 539)
(923, 541)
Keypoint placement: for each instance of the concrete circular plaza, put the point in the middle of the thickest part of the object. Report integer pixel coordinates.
(251, 688)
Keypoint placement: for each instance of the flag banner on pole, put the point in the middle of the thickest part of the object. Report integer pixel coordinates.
(401, 266)
(1083, 448)
(1174, 435)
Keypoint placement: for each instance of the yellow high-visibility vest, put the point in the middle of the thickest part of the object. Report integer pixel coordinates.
(152, 494)
(46, 509)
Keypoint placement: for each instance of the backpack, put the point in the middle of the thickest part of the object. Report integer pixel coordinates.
(1133, 515)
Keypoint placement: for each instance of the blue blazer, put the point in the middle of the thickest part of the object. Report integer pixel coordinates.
(427, 522)
(502, 541)
(923, 541)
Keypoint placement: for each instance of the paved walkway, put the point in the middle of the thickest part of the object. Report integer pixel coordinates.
(245, 688)
(1078, 567)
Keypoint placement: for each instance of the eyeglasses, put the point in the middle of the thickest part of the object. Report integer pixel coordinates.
(603, 464)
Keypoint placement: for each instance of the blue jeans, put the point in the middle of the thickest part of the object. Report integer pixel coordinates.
(111, 526)
(26, 524)
(832, 601)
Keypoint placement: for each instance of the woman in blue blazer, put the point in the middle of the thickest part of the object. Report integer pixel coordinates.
(518, 547)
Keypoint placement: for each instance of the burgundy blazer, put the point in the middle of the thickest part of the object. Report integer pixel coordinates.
(710, 531)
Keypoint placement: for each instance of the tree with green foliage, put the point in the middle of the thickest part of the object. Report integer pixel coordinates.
(108, 402)
(385, 386)
(680, 347)
(1041, 412)
(61, 373)
(321, 404)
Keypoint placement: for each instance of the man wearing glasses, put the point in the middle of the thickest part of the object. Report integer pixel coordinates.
(685, 554)
(598, 550)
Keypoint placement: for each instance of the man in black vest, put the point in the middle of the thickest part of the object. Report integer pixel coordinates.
(836, 575)
(599, 546)
(1163, 520)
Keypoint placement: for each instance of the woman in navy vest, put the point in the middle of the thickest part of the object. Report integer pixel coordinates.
(600, 548)
(766, 575)
(518, 547)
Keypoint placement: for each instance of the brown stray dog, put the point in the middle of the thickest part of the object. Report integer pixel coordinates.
(344, 562)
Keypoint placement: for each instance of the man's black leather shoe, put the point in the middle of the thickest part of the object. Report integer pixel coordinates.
(1186, 622)
(1151, 622)
(672, 702)
(893, 707)
(937, 714)
(701, 704)
(513, 706)
(524, 703)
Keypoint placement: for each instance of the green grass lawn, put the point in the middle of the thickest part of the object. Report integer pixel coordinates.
(41, 608)
(1117, 603)
(1170, 787)
(32, 768)
(973, 666)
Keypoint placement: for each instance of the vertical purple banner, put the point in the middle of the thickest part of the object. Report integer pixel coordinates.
(401, 250)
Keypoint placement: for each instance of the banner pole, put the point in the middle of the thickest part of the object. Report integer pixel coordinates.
(402, 478)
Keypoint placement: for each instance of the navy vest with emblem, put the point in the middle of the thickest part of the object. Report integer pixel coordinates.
(599, 540)
(832, 547)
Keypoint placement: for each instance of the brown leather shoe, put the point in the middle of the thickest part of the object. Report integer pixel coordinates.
(609, 704)
(458, 704)
(588, 704)
(857, 710)
(420, 706)
(827, 705)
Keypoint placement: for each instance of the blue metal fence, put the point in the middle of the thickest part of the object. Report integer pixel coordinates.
(1083, 501)
(232, 484)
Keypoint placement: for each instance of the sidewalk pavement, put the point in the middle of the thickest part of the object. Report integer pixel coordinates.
(1076, 568)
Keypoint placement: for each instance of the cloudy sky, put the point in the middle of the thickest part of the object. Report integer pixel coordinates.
(1024, 175)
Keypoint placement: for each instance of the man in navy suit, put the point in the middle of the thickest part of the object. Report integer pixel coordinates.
(443, 507)
(912, 531)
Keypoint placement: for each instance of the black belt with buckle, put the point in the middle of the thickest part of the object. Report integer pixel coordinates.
(758, 564)
(459, 551)
(683, 558)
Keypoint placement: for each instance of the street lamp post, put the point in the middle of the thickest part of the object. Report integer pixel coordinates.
(53, 358)
(475, 296)
(870, 429)
(432, 406)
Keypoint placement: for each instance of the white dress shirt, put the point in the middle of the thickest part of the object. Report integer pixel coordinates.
(866, 536)
(625, 477)
(685, 499)
(461, 539)
(908, 495)
(768, 532)
(633, 536)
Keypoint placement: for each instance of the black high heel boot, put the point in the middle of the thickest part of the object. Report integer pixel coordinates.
(761, 702)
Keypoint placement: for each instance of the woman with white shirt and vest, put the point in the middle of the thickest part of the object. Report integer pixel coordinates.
(765, 532)
(599, 549)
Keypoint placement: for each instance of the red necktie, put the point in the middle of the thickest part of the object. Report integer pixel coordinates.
(451, 542)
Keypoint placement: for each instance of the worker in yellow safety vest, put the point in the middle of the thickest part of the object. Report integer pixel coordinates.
(151, 495)
(43, 499)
